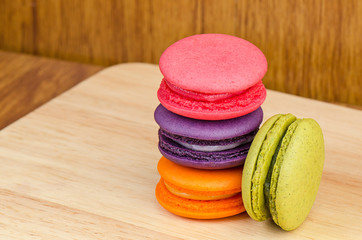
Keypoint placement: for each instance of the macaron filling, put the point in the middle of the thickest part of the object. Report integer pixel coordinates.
(208, 148)
(197, 195)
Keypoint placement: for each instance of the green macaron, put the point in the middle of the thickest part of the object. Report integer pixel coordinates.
(283, 170)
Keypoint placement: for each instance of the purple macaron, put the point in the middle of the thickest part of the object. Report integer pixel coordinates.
(206, 144)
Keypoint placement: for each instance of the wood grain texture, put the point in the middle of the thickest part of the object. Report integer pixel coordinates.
(17, 32)
(83, 166)
(30, 220)
(313, 47)
(26, 82)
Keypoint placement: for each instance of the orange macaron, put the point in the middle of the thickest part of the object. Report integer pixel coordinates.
(198, 193)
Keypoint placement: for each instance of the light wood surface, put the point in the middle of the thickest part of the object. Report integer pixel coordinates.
(313, 47)
(83, 166)
(26, 82)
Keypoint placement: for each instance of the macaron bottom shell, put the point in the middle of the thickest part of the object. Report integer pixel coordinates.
(232, 107)
(198, 209)
(202, 160)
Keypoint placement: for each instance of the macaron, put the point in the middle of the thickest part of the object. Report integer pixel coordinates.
(206, 144)
(283, 170)
(212, 77)
(199, 194)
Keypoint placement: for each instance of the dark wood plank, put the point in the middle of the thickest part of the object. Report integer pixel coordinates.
(27, 82)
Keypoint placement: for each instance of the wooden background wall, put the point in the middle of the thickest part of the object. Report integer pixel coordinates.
(313, 47)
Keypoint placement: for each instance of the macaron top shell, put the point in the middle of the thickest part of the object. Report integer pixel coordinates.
(207, 130)
(213, 63)
(199, 209)
(232, 107)
(299, 174)
(200, 180)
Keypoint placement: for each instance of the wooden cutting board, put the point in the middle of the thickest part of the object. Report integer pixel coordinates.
(83, 166)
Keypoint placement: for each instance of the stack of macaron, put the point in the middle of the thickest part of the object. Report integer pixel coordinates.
(209, 114)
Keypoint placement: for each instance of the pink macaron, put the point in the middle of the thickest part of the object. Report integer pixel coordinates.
(212, 77)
